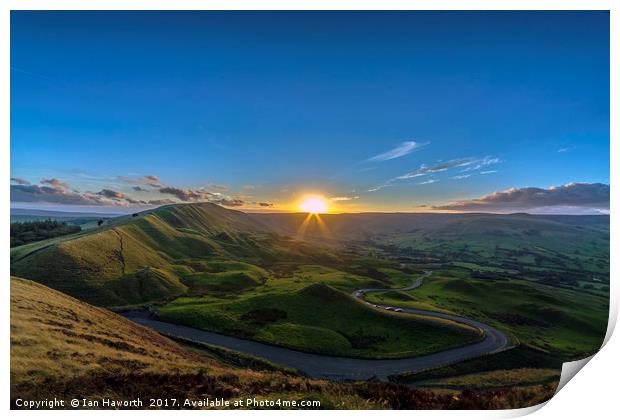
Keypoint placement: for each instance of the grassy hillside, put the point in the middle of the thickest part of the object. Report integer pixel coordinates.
(123, 261)
(313, 311)
(559, 320)
(61, 347)
(64, 348)
(542, 279)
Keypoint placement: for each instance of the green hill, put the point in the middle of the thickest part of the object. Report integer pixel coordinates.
(142, 258)
(312, 315)
(64, 348)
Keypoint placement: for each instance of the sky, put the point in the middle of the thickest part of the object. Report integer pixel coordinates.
(372, 111)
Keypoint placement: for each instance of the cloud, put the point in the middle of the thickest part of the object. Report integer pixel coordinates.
(377, 188)
(401, 150)
(58, 192)
(481, 163)
(461, 176)
(160, 202)
(55, 182)
(151, 180)
(580, 195)
(229, 202)
(45, 194)
(20, 181)
(487, 172)
(566, 149)
(115, 195)
(217, 187)
(424, 170)
(345, 198)
(186, 194)
(430, 181)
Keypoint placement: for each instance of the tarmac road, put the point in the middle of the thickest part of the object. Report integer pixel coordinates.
(342, 368)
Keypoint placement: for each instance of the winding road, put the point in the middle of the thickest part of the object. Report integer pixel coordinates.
(342, 368)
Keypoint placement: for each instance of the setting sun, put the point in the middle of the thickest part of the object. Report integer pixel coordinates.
(314, 205)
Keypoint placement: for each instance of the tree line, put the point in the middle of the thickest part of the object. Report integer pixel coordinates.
(27, 232)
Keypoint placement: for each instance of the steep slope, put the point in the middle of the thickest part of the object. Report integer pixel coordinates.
(138, 259)
(63, 348)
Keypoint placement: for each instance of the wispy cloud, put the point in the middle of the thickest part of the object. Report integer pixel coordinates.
(430, 181)
(424, 170)
(401, 150)
(566, 149)
(20, 181)
(345, 198)
(379, 187)
(150, 180)
(487, 172)
(481, 163)
(217, 187)
(466, 164)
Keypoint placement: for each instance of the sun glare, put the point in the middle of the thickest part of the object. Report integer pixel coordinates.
(314, 205)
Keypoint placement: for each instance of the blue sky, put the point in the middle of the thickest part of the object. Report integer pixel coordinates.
(244, 108)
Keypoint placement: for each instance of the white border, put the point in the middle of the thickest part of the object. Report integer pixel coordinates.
(591, 395)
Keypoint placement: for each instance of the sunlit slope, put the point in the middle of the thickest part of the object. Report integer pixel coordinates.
(64, 348)
(308, 312)
(141, 258)
(54, 335)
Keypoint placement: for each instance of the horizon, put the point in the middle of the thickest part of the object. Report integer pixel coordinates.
(329, 213)
(422, 115)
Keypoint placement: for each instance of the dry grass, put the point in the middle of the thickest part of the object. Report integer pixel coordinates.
(498, 378)
(64, 348)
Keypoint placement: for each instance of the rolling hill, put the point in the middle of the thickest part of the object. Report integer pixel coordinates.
(430, 227)
(140, 258)
(64, 348)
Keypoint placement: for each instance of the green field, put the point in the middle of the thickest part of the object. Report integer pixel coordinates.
(543, 280)
(561, 320)
(69, 349)
(313, 311)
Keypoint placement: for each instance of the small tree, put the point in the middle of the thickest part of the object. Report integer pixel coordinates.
(100, 222)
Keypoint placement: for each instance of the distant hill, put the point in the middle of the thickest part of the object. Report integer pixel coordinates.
(138, 258)
(359, 226)
(141, 258)
(53, 214)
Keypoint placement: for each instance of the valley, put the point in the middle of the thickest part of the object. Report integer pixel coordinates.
(394, 298)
